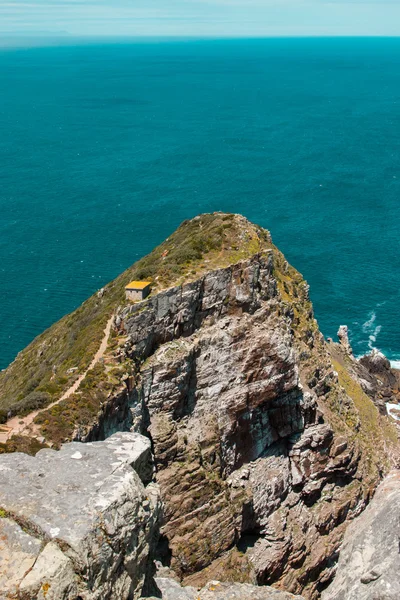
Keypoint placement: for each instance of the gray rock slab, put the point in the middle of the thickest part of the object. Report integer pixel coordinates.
(52, 577)
(88, 507)
(18, 553)
(59, 493)
(369, 561)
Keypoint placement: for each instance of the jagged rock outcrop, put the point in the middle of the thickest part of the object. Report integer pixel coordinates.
(369, 562)
(79, 523)
(215, 590)
(343, 335)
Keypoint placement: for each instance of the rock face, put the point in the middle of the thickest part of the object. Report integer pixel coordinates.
(343, 335)
(369, 562)
(215, 590)
(78, 523)
(234, 366)
(250, 425)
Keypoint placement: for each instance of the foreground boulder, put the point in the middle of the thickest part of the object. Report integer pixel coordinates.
(369, 562)
(78, 523)
(215, 590)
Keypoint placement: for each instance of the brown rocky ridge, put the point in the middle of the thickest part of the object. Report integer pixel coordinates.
(267, 440)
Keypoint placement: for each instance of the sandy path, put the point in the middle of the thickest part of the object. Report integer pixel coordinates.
(19, 425)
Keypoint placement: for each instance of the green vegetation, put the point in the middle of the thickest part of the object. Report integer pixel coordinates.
(205, 242)
(21, 443)
(59, 422)
(372, 431)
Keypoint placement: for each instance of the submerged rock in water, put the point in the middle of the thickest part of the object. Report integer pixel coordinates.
(78, 522)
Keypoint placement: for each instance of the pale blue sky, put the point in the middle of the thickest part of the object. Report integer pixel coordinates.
(202, 17)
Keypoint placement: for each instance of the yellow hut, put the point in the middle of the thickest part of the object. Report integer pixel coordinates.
(137, 290)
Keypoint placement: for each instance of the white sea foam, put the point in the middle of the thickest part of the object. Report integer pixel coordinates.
(393, 410)
(370, 323)
(373, 336)
(372, 329)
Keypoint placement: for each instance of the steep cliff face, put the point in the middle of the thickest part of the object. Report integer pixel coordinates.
(265, 443)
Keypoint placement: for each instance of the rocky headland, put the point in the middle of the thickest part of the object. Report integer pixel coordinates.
(266, 440)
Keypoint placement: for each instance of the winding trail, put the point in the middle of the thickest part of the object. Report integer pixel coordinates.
(19, 425)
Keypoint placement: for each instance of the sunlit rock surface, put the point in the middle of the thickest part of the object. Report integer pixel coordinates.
(78, 522)
(369, 562)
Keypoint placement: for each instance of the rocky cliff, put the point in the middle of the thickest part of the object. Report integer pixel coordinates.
(258, 447)
(266, 444)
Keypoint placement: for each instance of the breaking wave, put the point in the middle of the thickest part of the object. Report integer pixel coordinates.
(371, 329)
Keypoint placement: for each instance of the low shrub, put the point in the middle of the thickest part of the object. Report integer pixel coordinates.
(31, 402)
(22, 443)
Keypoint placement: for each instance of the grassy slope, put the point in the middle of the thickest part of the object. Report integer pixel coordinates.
(39, 374)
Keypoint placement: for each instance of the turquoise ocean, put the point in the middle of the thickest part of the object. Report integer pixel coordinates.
(106, 147)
